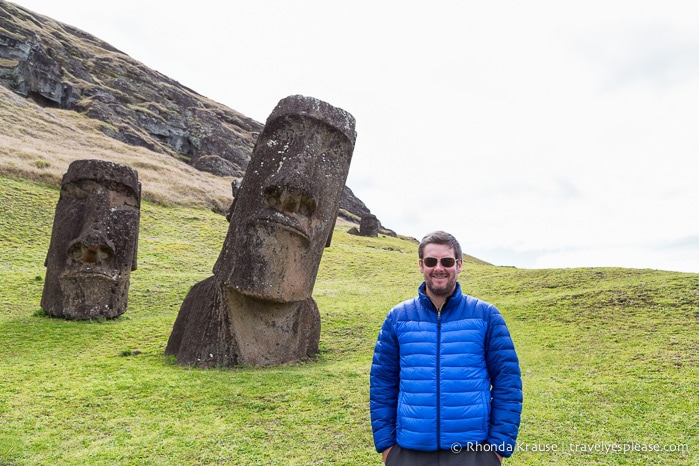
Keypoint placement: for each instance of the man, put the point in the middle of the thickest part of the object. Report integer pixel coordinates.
(446, 387)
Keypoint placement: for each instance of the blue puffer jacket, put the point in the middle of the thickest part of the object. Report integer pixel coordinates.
(445, 379)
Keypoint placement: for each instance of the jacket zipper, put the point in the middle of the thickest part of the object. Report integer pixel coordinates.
(439, 383)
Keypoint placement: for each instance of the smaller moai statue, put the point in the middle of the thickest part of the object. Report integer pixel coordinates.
(369, 226)
(257, 308)
(94, 241)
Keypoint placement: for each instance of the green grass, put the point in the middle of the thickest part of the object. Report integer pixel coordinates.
(609, 356)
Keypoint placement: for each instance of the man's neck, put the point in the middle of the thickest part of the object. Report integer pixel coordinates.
(439, 301)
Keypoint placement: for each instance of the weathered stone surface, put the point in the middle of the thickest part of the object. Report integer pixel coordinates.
(257, 308)
(94, 241)
(369, 226)
(350, 203)
(288, 200)
(219, 327)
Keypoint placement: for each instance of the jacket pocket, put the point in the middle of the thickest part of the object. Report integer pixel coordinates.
(399, 411)
(485, 404)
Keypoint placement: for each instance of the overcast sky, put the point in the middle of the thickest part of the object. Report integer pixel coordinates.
(540, 133)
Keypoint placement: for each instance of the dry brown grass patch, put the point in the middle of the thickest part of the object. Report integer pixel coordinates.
(39, 143)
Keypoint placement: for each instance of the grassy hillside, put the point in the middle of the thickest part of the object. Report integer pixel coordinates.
(609, 357)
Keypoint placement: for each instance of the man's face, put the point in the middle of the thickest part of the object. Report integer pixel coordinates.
(440, 280)
(93, 250)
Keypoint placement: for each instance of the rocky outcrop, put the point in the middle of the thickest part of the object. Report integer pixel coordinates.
(354, 210)
(61, 66)
(218, 166)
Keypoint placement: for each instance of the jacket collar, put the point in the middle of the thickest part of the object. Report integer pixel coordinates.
(451, 302)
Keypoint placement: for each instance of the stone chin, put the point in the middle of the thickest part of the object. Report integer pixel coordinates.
(276, 263)
(92, 296)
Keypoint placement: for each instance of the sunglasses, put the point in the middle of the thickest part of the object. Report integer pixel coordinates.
(433, 261)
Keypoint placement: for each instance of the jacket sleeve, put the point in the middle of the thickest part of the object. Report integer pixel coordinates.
(506, 385)
(384, 384)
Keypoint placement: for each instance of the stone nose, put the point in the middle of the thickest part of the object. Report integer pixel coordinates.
(91, 247)
(289, 199)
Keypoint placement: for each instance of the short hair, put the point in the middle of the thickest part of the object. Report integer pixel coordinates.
(440, 237)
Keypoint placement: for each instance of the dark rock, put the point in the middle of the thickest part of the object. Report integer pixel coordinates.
(218, 166)
(369, 226)
(350, 203)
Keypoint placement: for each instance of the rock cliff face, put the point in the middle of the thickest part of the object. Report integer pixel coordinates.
(60, 66)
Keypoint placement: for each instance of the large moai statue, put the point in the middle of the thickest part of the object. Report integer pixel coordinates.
(257, 308)
(94, 241)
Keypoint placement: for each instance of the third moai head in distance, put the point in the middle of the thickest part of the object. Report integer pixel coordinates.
(94, 241)
(369, 226)
(285, 209)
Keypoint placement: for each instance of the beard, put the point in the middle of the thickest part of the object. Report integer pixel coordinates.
(442, 291)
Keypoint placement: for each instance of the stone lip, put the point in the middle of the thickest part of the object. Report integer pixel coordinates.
(273, 218)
